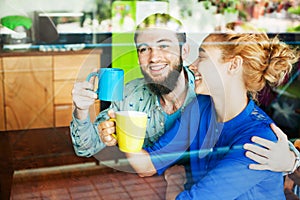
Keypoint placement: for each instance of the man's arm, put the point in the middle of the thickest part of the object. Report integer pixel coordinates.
(84, 133)
(280, 156)
(83, 97)
(85, 138)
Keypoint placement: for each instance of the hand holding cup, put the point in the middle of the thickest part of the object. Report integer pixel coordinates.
(83, 97)
(110, 83)
(128, 128)
(106, 129)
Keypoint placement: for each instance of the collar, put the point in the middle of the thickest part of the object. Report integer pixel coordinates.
(190, 90)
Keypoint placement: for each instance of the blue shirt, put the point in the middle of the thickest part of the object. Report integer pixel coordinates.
(218, 164)
(137, 97)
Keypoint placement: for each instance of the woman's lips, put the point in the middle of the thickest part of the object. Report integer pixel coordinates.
(198, 77)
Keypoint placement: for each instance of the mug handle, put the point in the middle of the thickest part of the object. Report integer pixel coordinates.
(91, 75)
(88, 78)
(113, 120)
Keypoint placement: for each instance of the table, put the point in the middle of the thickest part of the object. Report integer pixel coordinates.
(34, 148)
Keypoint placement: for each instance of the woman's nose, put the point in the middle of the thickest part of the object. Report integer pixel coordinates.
(193, 67)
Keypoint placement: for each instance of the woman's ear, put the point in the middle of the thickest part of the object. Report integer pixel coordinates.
(236, 64)
(185, 50)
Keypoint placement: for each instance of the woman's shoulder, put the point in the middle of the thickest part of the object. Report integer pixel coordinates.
(198, 106)
(259, 115)
(259, 124)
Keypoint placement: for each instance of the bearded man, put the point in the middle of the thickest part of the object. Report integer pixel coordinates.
(163, 93)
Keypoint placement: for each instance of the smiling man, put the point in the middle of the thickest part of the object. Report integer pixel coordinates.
(166, 89)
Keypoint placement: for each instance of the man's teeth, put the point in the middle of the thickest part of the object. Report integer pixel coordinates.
(157, 67)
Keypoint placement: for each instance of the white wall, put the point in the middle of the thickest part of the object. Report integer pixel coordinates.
(27, 7)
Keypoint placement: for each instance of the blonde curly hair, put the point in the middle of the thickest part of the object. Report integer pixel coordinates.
(265, 60)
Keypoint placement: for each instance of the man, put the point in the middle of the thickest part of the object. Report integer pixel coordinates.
(167, 87)
(165, 90)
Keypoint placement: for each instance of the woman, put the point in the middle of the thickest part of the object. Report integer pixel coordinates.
(231, 68)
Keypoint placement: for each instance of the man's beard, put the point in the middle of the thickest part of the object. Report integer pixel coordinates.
(168, 84)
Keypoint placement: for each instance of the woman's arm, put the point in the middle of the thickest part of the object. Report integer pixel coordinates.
(141, 163)
(231, 178)
(170, 147)
(165, 152)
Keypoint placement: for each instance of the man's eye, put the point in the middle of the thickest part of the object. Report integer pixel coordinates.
(143, 49)
(163, 46)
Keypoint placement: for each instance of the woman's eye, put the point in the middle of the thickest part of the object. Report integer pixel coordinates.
(201, 56)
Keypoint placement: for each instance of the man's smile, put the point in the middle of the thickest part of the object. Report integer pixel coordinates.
(157, 68)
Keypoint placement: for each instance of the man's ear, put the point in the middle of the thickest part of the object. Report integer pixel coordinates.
(185, 50)
(236, 64)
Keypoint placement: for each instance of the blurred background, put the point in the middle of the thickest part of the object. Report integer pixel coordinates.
(47, 45)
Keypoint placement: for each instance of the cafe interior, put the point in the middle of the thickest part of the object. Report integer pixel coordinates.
(47, 46)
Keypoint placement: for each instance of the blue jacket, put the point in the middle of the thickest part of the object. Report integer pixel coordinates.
(218, 165)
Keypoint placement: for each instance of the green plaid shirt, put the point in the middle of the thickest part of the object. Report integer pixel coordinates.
(137, 97)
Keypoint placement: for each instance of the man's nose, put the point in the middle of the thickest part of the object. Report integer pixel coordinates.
(156, 54)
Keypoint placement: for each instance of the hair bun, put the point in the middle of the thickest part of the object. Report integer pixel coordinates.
(280, 62)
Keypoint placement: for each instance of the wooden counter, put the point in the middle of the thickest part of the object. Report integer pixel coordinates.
(33, 52)
(36, 87)
(36, 109)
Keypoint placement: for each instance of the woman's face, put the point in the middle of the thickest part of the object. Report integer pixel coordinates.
(209, 70)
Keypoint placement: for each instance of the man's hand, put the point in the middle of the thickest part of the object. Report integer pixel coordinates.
(106, 129)
(274, 156)
(295, 176)
(83, 97)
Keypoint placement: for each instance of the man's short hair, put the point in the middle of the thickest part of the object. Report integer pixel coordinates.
(163, 21)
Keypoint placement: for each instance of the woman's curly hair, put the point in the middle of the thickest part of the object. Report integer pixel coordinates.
(265, 61)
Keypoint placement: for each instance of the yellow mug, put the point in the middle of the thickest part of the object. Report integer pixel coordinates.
(131, 130)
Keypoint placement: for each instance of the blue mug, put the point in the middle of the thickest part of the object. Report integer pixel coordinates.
(110, 83)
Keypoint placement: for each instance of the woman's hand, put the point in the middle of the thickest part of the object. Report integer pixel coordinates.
(288, 189)
(176, 178)
(295, 176)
